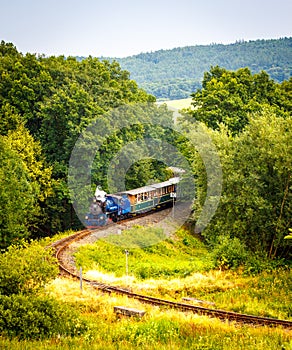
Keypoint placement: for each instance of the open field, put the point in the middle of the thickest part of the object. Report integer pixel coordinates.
(179, 104)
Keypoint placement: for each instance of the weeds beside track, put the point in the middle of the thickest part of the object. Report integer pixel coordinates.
(62, 245)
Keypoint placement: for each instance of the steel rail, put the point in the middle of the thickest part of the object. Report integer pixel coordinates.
(64, 243)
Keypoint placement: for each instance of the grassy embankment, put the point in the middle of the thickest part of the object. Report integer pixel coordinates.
(158, 329)
(182, 267)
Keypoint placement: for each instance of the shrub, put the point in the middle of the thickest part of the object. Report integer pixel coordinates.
(258, 262)
(37, 318)
(229, 252)
(25, 269)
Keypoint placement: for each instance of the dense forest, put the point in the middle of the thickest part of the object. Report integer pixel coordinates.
(176, 73)
(235, 141)
(46, 102)
(248, 117)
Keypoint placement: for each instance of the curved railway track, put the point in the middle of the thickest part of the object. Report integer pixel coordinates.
(63, 244)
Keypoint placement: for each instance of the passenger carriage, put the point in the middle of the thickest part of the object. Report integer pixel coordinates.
(148, 197)
(127, 203)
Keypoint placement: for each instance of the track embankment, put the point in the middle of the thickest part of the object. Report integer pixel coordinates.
(66, 264)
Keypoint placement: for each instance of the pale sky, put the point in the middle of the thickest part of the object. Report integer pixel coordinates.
(119, 28)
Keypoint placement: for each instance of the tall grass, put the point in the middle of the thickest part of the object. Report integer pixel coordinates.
(181, 267)
(266, 294)
(158, 329)
(178, 256)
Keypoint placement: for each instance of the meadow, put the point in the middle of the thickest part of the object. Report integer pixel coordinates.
(190, 272)
(180, 103)
(181, 266)
(158, 329)
(170, 257)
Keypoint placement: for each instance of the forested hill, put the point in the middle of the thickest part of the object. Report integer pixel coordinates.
(176, 73)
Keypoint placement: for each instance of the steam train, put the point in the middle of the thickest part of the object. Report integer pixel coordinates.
(114, 207)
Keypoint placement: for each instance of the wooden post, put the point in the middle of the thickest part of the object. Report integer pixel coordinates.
(173, 196)
(127, 267)
(80, 274)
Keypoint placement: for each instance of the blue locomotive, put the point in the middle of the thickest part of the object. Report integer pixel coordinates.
(115, 207)
(106, 207)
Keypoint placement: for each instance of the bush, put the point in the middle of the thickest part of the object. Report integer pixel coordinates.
(258, 262)
(229, 252)
(25, 269)
(37, 318)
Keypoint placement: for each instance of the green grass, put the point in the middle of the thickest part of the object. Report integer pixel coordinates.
(178, 256)
(158, 329)
(179, 104)
(180, 267)
(266, 294)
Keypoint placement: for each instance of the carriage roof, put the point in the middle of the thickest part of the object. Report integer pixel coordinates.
(172, 181)
(143, 189)
(151, 188)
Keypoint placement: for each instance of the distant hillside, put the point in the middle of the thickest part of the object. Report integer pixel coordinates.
(176, 73)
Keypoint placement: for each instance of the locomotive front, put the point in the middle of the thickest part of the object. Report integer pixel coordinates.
(106, 207)
(97, 216)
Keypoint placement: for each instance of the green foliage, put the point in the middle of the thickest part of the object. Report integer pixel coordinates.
(46, 102)
(151, 254)
(255, 204)
(38, 318)
(9, 119)
(25, 186)
(290, 234)
(229, 253)
(232, 253)
(145, 171)
(26, 269)
(229, 97)
(130, 128)
(14, 186)
(176, 73)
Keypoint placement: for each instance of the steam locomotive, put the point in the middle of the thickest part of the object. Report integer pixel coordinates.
(105, 207)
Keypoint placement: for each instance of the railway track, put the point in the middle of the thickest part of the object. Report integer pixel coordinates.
(63, 244)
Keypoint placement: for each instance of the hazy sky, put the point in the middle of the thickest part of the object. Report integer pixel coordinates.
(126, 27)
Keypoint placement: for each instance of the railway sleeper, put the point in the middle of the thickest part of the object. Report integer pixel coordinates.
(130, 312)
